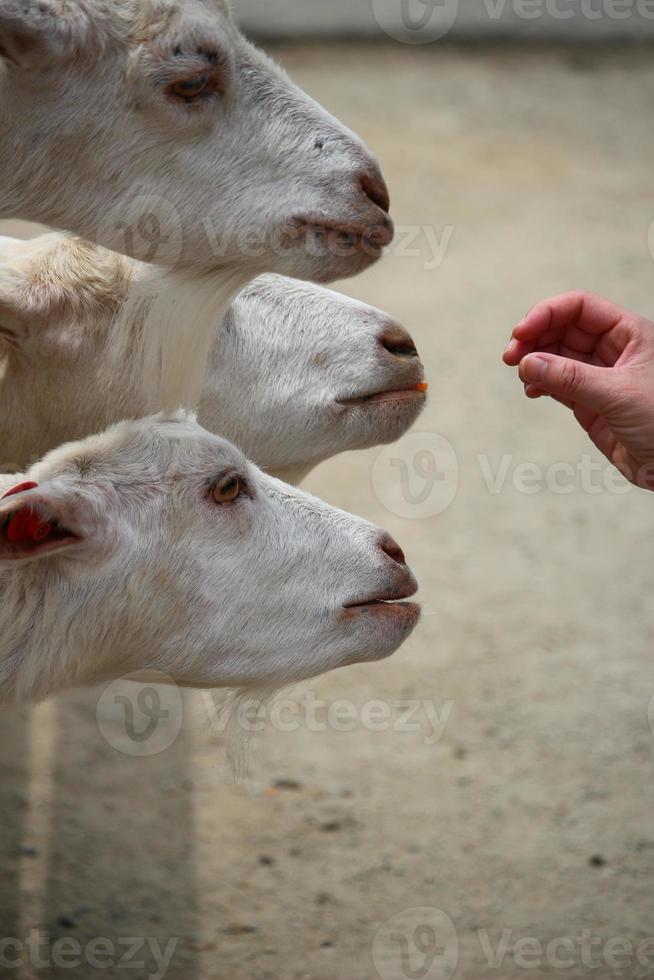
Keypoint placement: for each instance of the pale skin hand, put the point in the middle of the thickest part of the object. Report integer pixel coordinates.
(598, 360)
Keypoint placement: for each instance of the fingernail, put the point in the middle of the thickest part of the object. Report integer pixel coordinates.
(511, 346)
(535, 368)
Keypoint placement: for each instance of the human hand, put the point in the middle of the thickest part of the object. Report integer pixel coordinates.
(598, 360)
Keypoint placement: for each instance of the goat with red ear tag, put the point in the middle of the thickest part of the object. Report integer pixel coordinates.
(158, 546)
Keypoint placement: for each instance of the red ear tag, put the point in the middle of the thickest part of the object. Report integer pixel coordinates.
(38, 529)
(21, 488)
(17, 527)
(26, 525)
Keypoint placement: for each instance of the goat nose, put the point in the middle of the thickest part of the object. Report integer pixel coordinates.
(391, 548)
(374, 186)
(398, 341)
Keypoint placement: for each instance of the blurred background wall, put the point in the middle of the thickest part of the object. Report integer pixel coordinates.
(424, 21)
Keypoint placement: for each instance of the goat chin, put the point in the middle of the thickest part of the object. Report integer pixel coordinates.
(165, 331)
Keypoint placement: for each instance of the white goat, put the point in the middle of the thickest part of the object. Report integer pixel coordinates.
(296, 374)
(157, 546)
(154, 128)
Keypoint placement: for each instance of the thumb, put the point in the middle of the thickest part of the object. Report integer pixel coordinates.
(570, 380)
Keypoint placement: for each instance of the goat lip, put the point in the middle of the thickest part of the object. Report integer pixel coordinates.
(415, 393)
(399, 612)
(369, 238)
(391, 601)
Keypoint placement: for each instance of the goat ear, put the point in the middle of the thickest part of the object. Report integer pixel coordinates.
(35, 523)
(30, 31)
(46, 279)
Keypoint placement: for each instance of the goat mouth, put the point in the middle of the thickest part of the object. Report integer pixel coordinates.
(393, 605)
(342, 238)
(417, 392)
(404, 614)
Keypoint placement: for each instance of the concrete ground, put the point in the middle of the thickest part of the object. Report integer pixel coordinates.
(505, 829)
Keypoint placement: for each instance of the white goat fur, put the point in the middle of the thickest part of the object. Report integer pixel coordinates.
(284, 361)
(160, 577)
(90, 129)
(252, 177)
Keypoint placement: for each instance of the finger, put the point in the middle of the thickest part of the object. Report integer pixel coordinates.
(533, 391)
(586, 312)
(571, 380)
(515, 352)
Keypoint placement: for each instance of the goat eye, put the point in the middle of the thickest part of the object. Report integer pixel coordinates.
(190, 89)
(227, 488)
